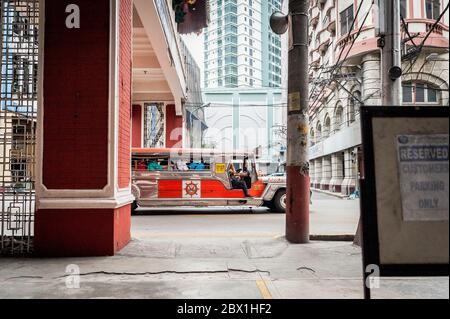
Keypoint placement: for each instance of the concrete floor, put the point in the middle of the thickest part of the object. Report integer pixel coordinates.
(215, 256)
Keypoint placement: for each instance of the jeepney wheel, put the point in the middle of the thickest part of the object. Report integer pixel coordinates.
(279, 201)
(134, 206)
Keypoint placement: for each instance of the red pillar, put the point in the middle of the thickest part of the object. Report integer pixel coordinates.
(83, 187)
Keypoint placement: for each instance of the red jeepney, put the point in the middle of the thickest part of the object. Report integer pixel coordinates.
(200, 178)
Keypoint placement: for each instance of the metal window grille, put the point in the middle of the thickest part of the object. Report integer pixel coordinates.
(154, 128)
(19, 24)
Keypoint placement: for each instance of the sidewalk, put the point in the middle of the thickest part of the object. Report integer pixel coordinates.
(334, 194)
(191, 268)
(218, 255)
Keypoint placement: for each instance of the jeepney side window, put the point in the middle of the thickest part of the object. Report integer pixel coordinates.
(138, 164)
(203, 164)
(150, 163)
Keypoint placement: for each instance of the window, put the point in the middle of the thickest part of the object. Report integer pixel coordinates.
(15, 74)
(404, 8)
(35, 78)
(16, 23)
(420, 93)
(231, 8)
(433, 8)
(338, 117)
(353, 107)
(319, 132)
(327, 127)
(26, 76)
(231, 49)
(154, 125)
(231, 19)
(231, 81)
(230, 59)
(346, 20)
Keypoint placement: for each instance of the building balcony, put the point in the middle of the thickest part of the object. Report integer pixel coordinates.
(331, 23)
(328, 5)
(438, 37)
(323, 47)
(331, 27)
(322, 41)
(315, 63)
(314, 16)
(315, 56)
(366, 42)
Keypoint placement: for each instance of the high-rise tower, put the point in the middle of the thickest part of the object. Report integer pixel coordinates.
(240, 49)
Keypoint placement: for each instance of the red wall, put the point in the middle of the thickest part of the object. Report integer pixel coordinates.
(137, 126)
(81, 232)
(76, 96)
(125, 67)
(122, 227)
(174, 128)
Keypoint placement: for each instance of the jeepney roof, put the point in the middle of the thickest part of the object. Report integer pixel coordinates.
(185, 151)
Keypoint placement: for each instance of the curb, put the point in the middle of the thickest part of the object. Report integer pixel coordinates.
(332, 237)
(338, 195)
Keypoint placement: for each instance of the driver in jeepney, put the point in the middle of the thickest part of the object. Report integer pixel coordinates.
(239, 179)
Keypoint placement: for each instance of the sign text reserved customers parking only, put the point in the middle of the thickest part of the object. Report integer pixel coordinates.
(424, 180)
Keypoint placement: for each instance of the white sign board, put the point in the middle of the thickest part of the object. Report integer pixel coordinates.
(424, 180)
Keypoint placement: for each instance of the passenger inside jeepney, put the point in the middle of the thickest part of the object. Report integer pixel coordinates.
(182, 165)
(237, 179)
(197, 166)
(247, 178)
(154, 166)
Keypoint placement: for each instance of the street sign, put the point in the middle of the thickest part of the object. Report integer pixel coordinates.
(404, 194)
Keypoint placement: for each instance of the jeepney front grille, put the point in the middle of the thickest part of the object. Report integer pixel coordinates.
(18, 119)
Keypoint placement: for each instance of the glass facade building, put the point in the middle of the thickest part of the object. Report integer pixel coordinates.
(240, 48)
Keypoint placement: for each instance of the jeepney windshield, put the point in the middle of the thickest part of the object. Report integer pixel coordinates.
(245, 163)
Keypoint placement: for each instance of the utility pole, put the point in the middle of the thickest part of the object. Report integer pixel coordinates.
(297, 164)
(391, 58)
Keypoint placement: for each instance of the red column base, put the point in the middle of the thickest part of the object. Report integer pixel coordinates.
(81, 232)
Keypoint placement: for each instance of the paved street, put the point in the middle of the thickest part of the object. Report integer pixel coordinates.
(217, 255)
(329, 215)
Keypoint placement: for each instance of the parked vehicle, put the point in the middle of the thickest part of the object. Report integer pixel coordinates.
(200, 178)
